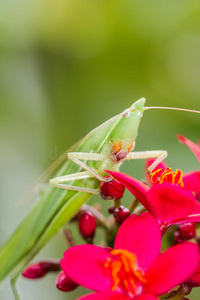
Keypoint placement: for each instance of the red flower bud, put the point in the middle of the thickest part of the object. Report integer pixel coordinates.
(87, 225)
(40, 269)
(177, 238)
(111, 209)
(121, 213)
(64, 283)
(112, 189)
(187, 231)
(108, 249)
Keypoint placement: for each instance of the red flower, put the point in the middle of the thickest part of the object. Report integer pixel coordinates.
(191, 180)
(194, 280)
(169, 203)
(134, 269)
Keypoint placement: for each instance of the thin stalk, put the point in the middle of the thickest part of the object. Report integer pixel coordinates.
(133, 205)
(68, 237)
(139, 210)
(14, 289)
(117, 203)
(178, 294)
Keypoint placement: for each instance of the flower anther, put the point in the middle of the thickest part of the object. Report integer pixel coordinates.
(126, 274)
(167, 175)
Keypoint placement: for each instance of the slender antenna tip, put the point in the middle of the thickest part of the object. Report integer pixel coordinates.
(172, 108)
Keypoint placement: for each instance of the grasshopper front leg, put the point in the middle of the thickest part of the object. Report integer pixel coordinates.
(90, 173)
(76, 156)
(160, 155)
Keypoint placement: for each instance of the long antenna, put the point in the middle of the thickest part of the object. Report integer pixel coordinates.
(171, 108)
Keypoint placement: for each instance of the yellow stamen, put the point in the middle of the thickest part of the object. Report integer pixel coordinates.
(124, 270)
(167, 175)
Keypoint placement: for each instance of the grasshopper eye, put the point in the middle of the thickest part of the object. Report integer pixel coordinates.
(126, 113)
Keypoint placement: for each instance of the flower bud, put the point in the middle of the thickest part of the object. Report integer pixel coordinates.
(87, 225)
(111, 190)
(40, 269)
(64, 283)
(187, 231)
(111, 209)
(121, 213)
(108, 249)
(177, 238)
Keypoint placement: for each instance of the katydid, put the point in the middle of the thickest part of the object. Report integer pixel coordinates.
(106, 147)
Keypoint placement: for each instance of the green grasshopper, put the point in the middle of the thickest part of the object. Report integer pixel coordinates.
(106, 147)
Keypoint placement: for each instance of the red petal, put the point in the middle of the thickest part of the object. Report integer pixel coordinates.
(190, 218)
(141, 236)
(170, 203)
(171, 268)
(146, 297)
(108, 296)
(137, 188)
(192, 146)
(195, 278)
(85, 265)
(191, 182)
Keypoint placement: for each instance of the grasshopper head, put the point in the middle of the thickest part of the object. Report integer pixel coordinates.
(123, 136)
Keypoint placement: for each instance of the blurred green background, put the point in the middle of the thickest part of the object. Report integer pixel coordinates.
(69, 65)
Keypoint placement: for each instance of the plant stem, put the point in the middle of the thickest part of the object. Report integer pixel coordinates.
(133, 205)
(68, 237)
(117, 203)
(14, 289)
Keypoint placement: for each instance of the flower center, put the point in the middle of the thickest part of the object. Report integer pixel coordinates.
(167, 175)
(126, 274)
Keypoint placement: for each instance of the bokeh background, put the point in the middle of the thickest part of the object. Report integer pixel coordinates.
(68, 65)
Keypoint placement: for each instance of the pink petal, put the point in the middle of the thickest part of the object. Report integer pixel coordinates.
(191, 182)
(194, 218)
(148, 163)
(137, 188)
(141, 236)
(171, 268)
(107, 296)
(116, 296)
(192, 146)
(195, 278)
(170, 203)
(85, 265)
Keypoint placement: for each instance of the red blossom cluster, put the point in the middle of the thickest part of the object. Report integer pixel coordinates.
(134, 267)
